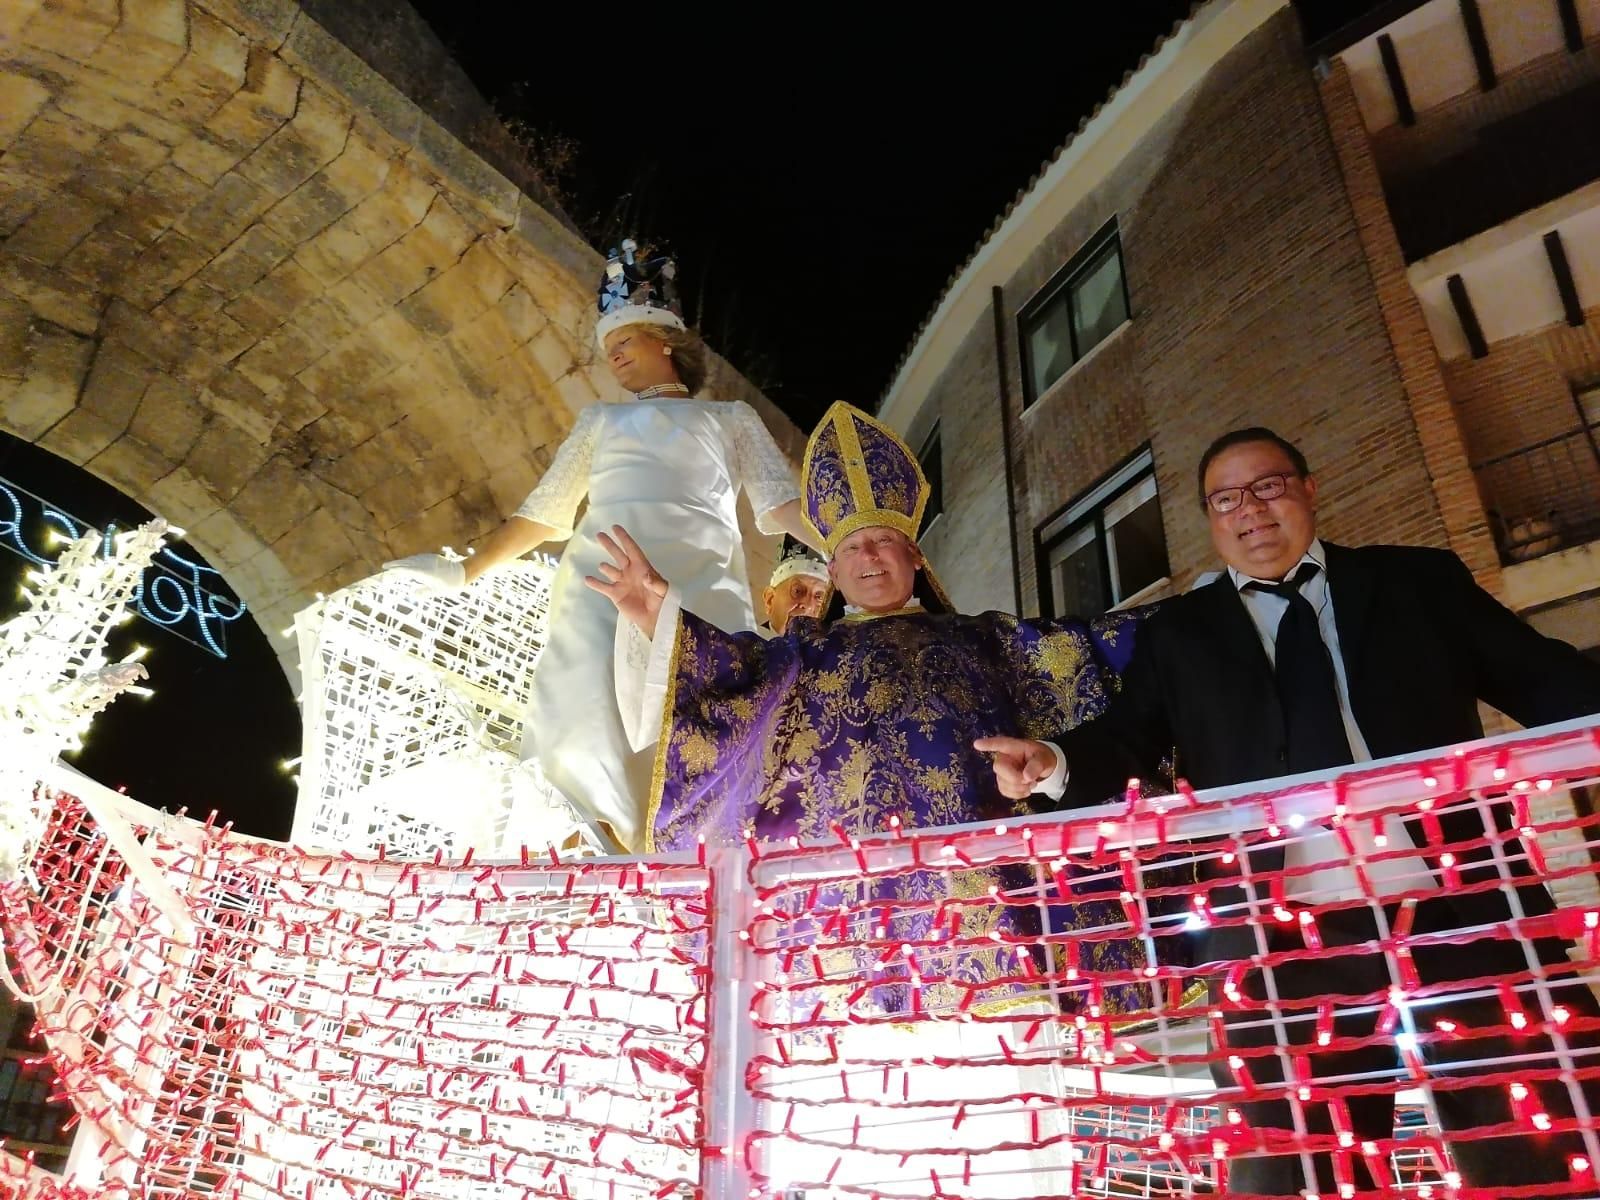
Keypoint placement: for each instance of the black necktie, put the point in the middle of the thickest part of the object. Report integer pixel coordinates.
(1307, 690)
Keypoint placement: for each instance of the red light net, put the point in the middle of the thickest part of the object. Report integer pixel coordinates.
(1379, 984)
(1375, 985)
(304, 1026)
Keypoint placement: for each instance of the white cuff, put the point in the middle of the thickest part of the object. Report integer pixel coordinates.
(1055, 783)
(642, 666)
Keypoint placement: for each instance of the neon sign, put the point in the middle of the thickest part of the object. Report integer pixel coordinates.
(178, 594)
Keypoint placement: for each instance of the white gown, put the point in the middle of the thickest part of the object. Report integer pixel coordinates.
(669, 471)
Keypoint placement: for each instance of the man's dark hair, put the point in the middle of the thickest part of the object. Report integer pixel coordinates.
(1238, 437)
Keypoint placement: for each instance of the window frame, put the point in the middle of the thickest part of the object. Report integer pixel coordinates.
(1060, 289)
(1088, 511)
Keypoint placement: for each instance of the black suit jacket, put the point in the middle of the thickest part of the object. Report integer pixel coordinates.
(1422, 643)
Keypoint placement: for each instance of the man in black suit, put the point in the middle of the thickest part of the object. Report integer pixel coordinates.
(1305, 656)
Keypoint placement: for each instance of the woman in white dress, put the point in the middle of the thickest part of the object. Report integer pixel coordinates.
(666, 464)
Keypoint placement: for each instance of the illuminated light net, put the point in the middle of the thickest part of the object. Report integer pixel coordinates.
(241, 1019)
(54, 672)
(413, 707)
(306, 1026)
(950, 1092)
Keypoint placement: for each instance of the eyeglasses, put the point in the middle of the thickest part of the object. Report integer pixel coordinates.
(1268, 487)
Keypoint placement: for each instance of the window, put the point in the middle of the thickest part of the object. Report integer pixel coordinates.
(933, 468)
(1105, 547)
(1076, 311)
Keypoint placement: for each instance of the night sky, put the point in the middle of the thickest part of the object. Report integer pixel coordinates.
(818, 185)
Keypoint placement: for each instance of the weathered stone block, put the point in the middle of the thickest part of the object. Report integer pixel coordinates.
(53, 296)
(73, 32)
(343, 507)
(387, 215)
(143, 334)
(225, 541)
(56, 228)
(147, 43)
(58, 360)
(397, 271)
(160, 199)
(401, 497)
(163, 20)
(79, 436)
(212, 70)
(296, 408)
(274, 501)
(14, 15)
(552, 353)
(21, 100)
(238, 401)
(444, 524)
(117, 381)
(264, 102)
(131, 465)
(230, 208)
(311, 139)
(172, 259)
(510, 484)
(499, 441)
(256, 251)
(182, 499)
(104, 254)
(169, 418)
(273, 362)
(263, 582)
(52, 147)
(521, 314)
(576, 391)
(206, 159)
(16, 319)
(442, 303)
(331, 255)
(190, 303)
(316, 546)
(224, 458)
(484, 339)
(350, 367)
(368, 464)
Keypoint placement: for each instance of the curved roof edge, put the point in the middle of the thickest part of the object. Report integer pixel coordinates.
(1178, 61)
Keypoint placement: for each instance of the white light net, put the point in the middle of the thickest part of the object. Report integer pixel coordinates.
(413, 718)
(54, 673)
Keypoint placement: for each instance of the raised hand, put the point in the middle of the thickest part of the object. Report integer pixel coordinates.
(629, 581)
(1020, 764)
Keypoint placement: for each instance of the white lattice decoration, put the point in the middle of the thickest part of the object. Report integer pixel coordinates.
(413, 717)
(54, 672)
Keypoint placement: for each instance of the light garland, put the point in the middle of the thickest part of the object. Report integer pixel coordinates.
(54, 672)
(767, 1020)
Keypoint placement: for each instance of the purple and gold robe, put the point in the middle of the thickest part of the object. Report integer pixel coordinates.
(867, 718)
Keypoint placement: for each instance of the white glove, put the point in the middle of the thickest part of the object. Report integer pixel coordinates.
(438, 573)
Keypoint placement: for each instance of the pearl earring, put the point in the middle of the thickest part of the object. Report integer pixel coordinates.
(668, 352)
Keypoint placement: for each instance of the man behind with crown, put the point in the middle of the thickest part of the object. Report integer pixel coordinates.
(870, 715)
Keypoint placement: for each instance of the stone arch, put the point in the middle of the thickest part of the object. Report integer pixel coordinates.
(246, 281)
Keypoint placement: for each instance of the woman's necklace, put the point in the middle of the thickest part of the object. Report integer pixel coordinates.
(664, 389)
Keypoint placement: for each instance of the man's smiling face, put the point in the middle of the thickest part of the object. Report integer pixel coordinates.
(1261, 538)
(875, 568)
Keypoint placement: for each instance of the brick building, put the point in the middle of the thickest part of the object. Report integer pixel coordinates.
(1254, 230)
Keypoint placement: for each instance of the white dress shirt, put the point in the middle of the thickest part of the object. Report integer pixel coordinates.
(1319, 844)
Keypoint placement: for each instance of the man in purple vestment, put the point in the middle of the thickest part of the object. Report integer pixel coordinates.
(842, 724)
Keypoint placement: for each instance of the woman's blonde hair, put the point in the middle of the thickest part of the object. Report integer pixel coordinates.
(689, 358)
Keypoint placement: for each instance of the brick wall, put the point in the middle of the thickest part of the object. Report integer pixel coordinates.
(969, 545)
(1253, 303)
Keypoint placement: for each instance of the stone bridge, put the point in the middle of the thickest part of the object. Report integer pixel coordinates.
(247, 281)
